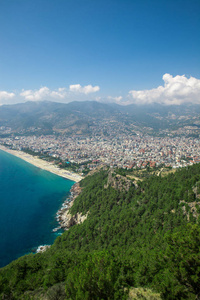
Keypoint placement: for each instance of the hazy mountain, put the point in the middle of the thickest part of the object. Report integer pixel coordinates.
(47, 117)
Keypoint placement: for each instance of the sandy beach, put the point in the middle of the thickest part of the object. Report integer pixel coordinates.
(42, 164)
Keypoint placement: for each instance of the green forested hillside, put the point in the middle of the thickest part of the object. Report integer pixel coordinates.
(147, 236)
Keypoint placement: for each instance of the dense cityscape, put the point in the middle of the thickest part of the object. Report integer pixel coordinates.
(122, 151)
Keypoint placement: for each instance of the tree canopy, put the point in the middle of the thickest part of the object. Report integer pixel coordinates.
(147, 236)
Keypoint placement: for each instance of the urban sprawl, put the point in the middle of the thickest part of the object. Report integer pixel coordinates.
(122, 151)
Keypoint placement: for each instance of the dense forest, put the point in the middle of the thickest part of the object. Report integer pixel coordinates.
(139, 235)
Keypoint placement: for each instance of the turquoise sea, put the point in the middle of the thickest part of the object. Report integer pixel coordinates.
(29, 200)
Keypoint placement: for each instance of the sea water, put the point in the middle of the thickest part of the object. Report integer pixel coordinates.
(29, 200)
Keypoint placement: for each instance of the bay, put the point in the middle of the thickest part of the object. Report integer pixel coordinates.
(29, 200)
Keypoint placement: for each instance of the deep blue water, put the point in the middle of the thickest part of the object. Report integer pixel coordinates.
(29, 200)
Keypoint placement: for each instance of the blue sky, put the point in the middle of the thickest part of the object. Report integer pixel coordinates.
(114, 50)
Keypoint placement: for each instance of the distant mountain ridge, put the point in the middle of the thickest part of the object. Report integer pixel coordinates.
(48, 117)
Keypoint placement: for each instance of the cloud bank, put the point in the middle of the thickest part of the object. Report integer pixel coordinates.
(87, 89)
(43, 93)
(176, 90)
(5, 95)
(116, 99)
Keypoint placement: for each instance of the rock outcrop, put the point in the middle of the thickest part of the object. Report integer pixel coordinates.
(68, 220)
(65, 219)
(118, 182)
(192, 208)
(42, 248)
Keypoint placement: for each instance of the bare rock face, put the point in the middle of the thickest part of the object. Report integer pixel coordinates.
(70, 222)
(192, 208)
(118, 182)
(43, 248)
(67, 220)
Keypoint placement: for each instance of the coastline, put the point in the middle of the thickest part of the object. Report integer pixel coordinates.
(64, 218)
(42, 164)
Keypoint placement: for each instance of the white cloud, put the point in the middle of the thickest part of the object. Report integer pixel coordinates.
(116, 99)
(75, 87)
(61, 93)
(5, 95)
(35, 95)
(176, 90)
(87, 89)
(43, 93)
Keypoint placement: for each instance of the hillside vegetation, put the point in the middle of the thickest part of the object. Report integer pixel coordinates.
(136, 241)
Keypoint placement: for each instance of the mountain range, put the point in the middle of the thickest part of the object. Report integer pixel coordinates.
(46, 117)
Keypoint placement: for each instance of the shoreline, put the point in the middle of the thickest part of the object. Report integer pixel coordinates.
(63, 217)
(42, 164)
